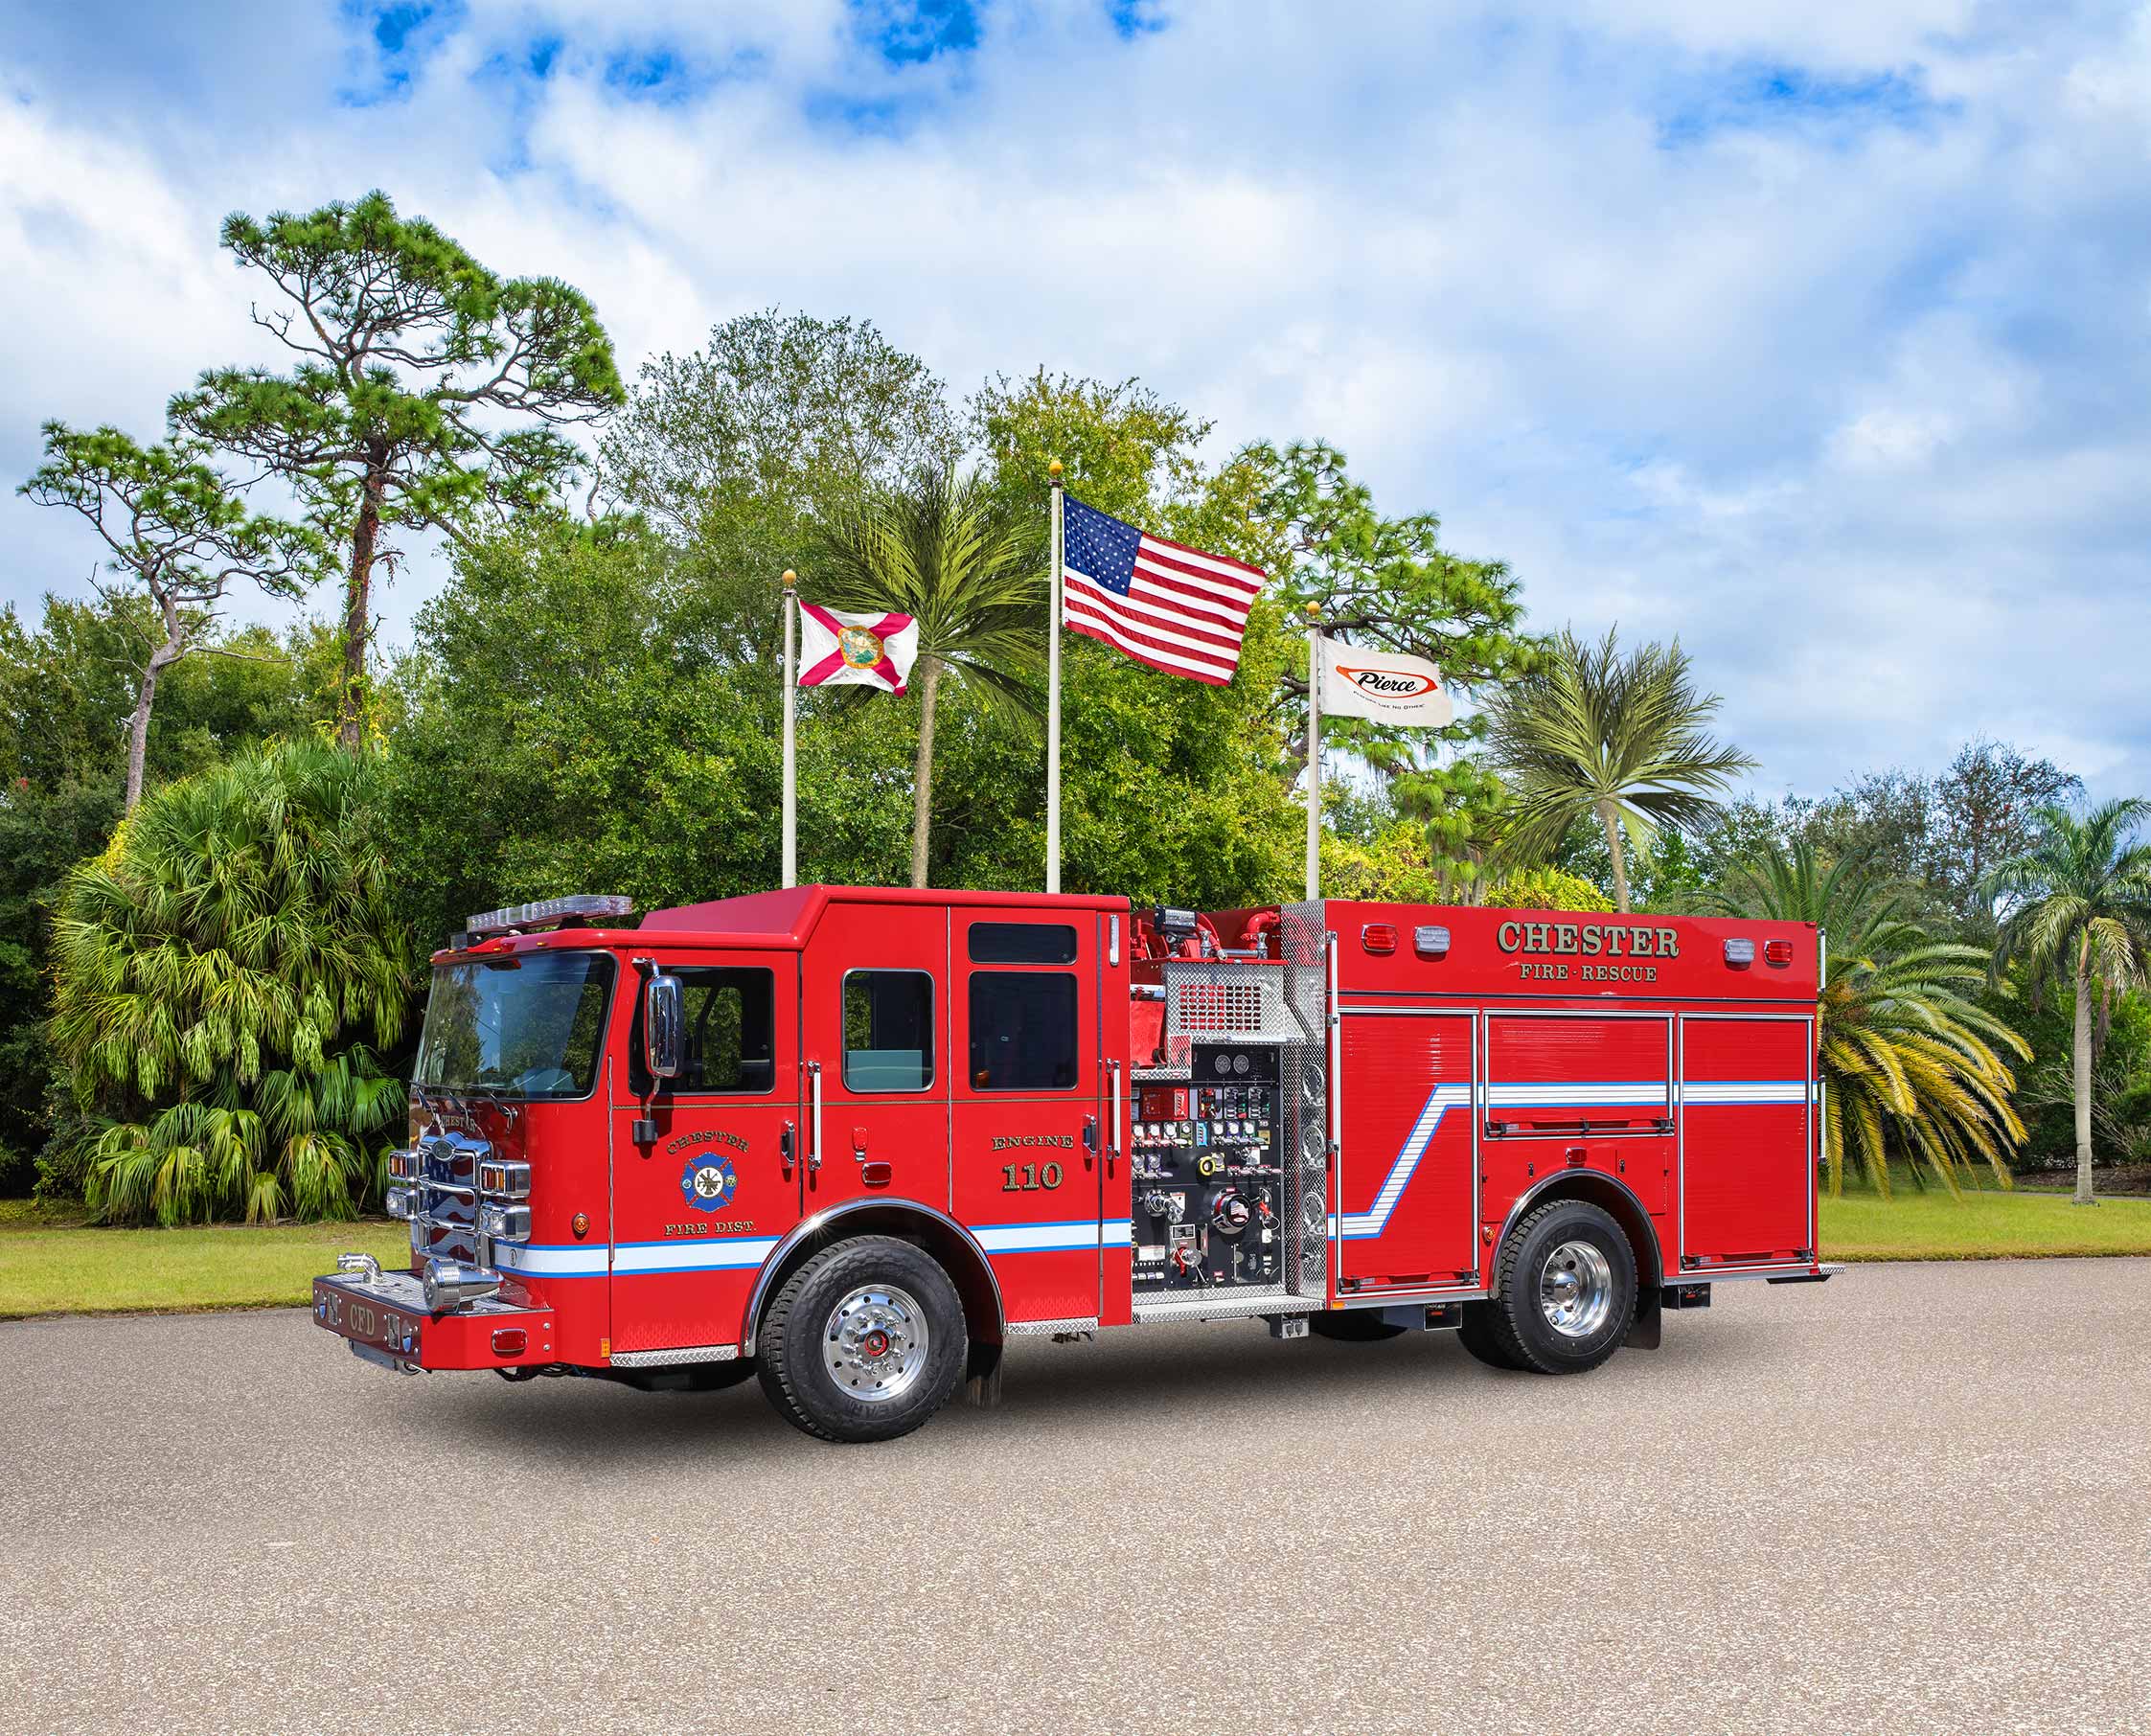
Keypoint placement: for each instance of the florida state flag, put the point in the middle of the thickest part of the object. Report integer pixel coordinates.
(838, 648)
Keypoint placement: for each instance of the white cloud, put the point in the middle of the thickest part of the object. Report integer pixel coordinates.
(1815, 334)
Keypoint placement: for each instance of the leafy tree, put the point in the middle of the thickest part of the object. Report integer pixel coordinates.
(1620, 737)
(1389, 583)
(1908, 1059)
(2078, 905)
(1939, 834)
(1171, 791)
(1545, 888)
(216, 973)
(944, 552)
(733, 450)
(44, 832)
(67, 692)
(574, 719)
(173, 526)
(415, 364)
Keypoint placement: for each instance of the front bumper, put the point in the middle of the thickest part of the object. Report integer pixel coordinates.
(384, 1319)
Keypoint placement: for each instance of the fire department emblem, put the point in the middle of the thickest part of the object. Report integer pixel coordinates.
(860, 647)
(708, 1181)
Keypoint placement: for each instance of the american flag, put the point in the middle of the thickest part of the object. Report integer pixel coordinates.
(1164, 604)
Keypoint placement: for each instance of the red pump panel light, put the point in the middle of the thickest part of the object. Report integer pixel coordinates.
(1777, 952)
(1379, 937)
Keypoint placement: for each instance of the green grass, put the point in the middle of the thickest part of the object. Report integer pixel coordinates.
(51, 1264)
(1984, 1225)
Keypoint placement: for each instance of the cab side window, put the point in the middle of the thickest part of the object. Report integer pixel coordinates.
(888, 1030)
(1022, 1030)
(730, 1030)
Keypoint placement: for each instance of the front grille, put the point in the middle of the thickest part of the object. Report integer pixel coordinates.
(446, 1196)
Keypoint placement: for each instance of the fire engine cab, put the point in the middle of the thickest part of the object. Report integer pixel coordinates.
(851, 1140)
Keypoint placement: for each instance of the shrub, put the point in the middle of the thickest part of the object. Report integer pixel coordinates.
(216, 971)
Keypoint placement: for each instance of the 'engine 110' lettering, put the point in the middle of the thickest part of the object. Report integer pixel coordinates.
(1589, 941)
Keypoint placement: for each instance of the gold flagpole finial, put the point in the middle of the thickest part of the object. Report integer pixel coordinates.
(1314, 611)
(790, 578)
(1053, 469)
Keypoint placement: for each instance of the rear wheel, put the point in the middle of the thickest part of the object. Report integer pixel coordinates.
(1353, 1325)
(1565, 1291)
(864, 1342)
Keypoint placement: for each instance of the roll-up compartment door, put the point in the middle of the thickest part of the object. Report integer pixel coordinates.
(1747, 1140)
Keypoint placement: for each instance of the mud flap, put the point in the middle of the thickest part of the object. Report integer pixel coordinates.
(982, 1376)
(1644, 1332)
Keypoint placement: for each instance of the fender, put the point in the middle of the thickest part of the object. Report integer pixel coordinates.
(1582, 1184)
(821, 1221)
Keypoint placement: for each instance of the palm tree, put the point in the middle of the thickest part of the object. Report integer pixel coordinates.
(1906, 1058)
(1621, 738)
(943, 551)
(214, 972)
(2079, 909)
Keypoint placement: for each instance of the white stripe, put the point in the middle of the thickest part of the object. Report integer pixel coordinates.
(1372, 1221)
(1145, 591)
(551, 1262)
(1744, 1091)
(1136, 622)
(1135, 649)
(725, 1252)
(1215, 564)
(1152, 575)
(1039, 1237)
(1561, 1096)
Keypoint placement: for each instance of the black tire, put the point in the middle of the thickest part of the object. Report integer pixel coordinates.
(891, 1290)
(1354, 1326)
(1476, 1336)
(1576, 1242)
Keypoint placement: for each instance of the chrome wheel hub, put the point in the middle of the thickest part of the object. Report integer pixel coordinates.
(1576, 1288)
(875, 1344)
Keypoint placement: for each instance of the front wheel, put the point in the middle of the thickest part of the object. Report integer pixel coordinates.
(1566, 1291)
(864, 1342)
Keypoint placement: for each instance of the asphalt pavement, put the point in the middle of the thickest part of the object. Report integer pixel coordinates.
(1917, 1498)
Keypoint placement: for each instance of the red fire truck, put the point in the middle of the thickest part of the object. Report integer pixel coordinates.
(852, 1140)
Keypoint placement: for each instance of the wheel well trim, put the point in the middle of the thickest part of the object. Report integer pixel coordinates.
(1580, 1183)
(807, 1227)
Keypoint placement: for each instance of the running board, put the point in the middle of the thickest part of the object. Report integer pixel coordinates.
(1237, 1305)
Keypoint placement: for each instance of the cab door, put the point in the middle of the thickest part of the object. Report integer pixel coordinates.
(1031, 1143)
(706, 1175)
(876, 1056)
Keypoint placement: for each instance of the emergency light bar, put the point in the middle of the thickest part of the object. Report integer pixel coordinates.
(550, 912)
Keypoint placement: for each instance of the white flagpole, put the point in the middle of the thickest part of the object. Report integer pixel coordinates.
(1053, 700)
(791, 708)
(1313, 752)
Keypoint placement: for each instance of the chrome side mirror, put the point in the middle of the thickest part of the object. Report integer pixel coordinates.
(663, 1025)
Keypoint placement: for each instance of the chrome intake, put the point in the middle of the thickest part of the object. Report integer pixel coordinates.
(451, 1284)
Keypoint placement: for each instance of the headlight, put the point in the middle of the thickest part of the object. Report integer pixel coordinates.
(402, 1201)
(504, 1222)
(504, 1177)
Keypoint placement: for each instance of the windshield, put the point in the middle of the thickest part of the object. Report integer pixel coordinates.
(526, 1027)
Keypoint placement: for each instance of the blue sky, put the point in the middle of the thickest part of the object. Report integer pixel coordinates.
(1819, 335)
